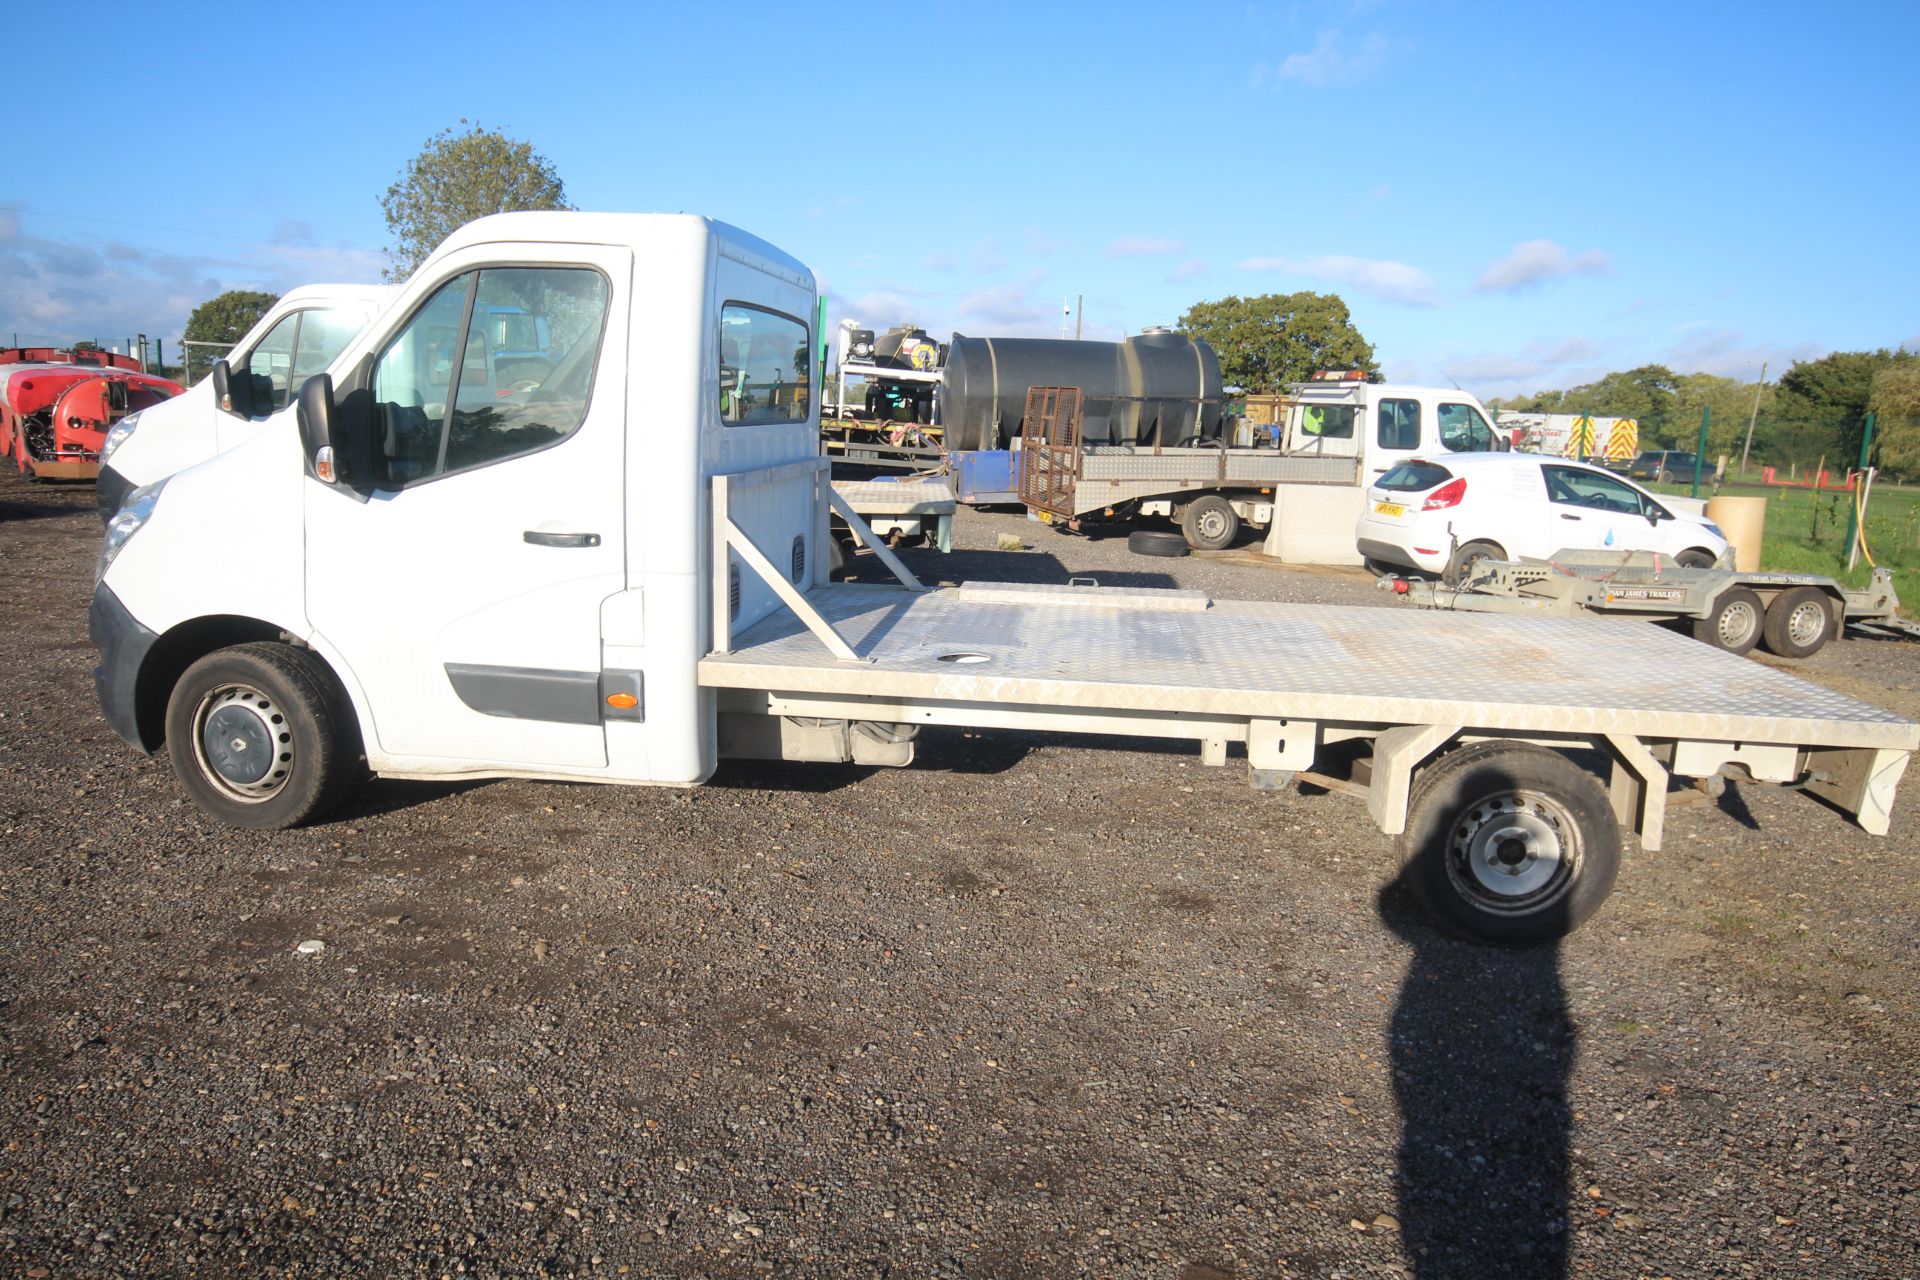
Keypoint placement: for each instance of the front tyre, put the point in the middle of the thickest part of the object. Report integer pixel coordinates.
(1733, 623)
(1509, 843)
(260, 736)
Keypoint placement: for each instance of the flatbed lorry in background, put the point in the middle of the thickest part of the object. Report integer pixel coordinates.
(621, 574)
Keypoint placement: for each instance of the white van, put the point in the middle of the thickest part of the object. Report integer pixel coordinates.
(1384, 423)
(298, 337)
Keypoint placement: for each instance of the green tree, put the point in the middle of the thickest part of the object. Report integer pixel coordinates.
(1894, 401)
(224, 320)
(456, 178)
(1268, 341)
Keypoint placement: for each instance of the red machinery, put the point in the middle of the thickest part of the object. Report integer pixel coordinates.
(56, 407)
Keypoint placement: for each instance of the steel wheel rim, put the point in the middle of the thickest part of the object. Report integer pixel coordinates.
(243, 743)
(1807, 623)
(1213, 525)
(1738, 624)
(1513, 851)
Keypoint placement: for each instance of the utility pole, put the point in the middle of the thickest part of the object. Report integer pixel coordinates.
(1079, 306)
(1751, 418)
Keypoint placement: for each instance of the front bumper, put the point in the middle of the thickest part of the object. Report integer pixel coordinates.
(123, 644)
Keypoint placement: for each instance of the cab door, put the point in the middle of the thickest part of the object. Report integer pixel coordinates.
(461, 582)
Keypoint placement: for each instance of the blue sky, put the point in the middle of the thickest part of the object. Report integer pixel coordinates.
(1516, 196)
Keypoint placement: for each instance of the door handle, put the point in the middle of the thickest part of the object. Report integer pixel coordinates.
(1563, 516)
(539, 539)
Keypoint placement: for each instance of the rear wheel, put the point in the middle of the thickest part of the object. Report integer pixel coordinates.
(1734, 622)
(1665, 476)
(1799, 622)
(1466, 557)
(260, 736)
(1509, 842)
(1210, 523)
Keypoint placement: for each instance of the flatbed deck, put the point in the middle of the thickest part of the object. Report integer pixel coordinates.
(1179, 652)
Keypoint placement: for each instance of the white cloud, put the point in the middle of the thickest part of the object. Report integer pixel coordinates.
(57, 291)
(1732, 354)
(1143, 247)
(1334, 60)
(1012, 307)
(1393, 281)
(1540, 365)
(1533, 261)
(1188, 270)
(1911, 344)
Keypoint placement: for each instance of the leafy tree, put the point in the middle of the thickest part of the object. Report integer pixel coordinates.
(459, 177)
(1894, 401)
(1268, 341)
(225, 320)
(1833, 391)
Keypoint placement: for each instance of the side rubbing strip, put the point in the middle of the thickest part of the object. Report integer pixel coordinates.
(528, 693)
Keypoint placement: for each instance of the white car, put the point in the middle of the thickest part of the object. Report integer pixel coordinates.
(1440, 516)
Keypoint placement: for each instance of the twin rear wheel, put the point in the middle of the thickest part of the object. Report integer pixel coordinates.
(260, 736)
(1509, 843)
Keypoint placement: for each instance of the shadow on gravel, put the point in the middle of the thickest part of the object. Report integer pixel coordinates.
(381, 796)
(1482, 1046)
(1734, 805)
(998, 566)
(15, 510)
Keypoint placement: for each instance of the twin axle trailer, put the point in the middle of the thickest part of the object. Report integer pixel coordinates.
(625, 576)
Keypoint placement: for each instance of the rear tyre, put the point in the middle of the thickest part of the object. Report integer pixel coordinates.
(1799, 623)
(1509, 843)
(1664, 477)
(260, 736)
(1734, 622)
(1466, 557)
(1210, 523)
(1155, 542)
(1695, 558)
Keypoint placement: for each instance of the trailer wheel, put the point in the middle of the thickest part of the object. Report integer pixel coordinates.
(1510, 843)
(260, 736)
(1734, 622)
(1466, 557)
(1210, 523)
(1799, 622)
(1156, 542)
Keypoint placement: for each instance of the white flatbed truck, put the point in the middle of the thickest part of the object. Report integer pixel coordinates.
(621, 576)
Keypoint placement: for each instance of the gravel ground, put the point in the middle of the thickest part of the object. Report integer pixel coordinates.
(1024, 1009)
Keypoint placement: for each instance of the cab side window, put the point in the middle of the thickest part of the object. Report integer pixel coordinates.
(1463, 430)
(1399, 424)
(765, 366)
(271, 361)
(324, 333)
(443, 403)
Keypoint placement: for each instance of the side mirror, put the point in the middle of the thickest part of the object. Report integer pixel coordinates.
(232, 394)
(316, 426)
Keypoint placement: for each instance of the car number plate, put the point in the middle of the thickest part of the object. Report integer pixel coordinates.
(1389, 508)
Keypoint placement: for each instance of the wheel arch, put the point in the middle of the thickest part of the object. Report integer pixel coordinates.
(185, 644)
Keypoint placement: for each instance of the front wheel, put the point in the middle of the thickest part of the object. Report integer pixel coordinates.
(1510, 843)
(1695, 558)
(260, 736)
(1210, 523)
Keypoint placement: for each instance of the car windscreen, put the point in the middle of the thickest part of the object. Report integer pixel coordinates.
(1412, 477)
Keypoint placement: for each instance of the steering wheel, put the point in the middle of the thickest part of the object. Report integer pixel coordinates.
(523, 384)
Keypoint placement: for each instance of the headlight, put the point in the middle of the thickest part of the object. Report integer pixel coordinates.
(127, 522)
(118, 436)
(1715, 530)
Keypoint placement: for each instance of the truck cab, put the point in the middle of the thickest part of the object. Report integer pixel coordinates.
(297, 337)
(1382, 423)
(513, 585)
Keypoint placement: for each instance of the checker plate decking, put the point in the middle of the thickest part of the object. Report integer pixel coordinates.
(1311, 662)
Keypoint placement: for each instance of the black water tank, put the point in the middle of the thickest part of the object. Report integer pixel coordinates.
(1157, 387)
